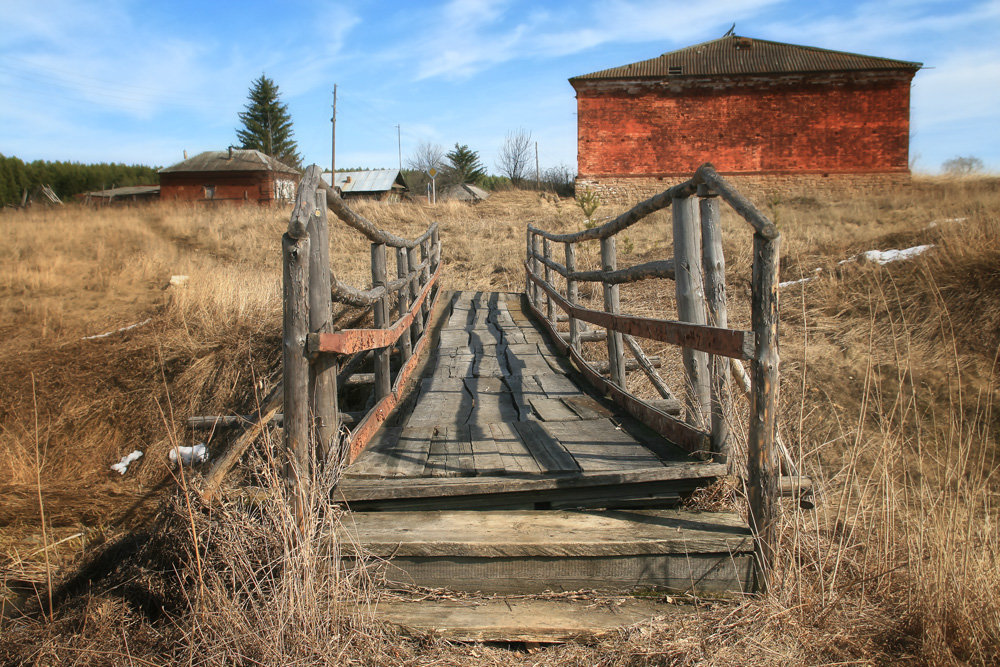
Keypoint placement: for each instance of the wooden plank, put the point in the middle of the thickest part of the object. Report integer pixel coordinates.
(411, 451)
(557, 385)
(733, 343)
(379, 457)
(441, 408)
(598, 445)
(460, 457)
(518, 619)
(552, 534)
(545, 449)
(437, 454)
(485, 451)
(586, 407)
(507, 440)
(516, 457)
(552, 410)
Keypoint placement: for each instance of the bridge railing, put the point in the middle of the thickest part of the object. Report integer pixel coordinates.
(316, 359)
(710, 350)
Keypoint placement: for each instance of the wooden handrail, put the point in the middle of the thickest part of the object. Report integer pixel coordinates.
(734, 343)
(367, 227)
(352, 296)
(626, 219)
(706, 174)
(359, 340)
(654, 269)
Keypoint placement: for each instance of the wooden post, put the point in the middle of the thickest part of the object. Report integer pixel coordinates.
(761, 469)
(572, 295)
(714, 264)
(323, 371)
(295, 366)
(403, 303)
(536, 267)
(435, 250)
(381, 313)
(425, 276)
(612, 304)
(418, 317)
(690, 292)
(550, 306)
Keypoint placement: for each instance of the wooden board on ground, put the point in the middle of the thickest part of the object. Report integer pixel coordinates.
(521, 620)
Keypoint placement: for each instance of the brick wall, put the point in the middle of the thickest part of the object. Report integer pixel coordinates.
(623, 192)
(257, 186)
(822, 124)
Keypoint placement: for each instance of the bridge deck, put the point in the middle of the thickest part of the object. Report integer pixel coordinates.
(496, 404)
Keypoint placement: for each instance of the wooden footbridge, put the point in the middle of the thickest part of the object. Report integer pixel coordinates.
(494, 456)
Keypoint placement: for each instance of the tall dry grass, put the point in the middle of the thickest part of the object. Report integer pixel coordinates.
(888, 396)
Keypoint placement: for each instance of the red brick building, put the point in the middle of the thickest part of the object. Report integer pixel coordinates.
(756, 109)
(231, 175)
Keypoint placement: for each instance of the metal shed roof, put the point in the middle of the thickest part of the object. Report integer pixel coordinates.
(236, 159)
(734, 54)
(372, 180)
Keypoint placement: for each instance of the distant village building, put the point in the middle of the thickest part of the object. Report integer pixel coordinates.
(758, 110)
(378, 184)
(130, 194)
(232, 175)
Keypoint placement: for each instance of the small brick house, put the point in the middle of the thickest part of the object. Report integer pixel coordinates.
(758, 110)
(233, 175)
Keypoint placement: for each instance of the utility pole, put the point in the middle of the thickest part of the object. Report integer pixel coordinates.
(333, 137)
(537, 173)
(399, 146)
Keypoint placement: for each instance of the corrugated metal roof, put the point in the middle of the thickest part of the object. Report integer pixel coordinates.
(734, 54)
(240, 159)
(372, 180)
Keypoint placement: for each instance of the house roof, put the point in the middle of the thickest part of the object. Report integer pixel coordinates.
(465, 192)
(734, 54)
(234, 159)
(126, 191)
(372, 180)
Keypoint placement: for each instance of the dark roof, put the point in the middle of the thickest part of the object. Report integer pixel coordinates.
(370, 180)
(235, 159)
(742, 55)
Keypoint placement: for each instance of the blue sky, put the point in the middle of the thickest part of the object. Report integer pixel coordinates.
(140, 82)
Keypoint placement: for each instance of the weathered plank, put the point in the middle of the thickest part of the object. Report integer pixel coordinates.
(599, 445)
(515, 455)
(546, 450)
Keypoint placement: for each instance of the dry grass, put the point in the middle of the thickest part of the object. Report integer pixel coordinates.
(888, 396)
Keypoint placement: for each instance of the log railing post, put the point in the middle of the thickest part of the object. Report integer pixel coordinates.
(295, 364)
(381, 315)
(435, 250)
(405, 344)
(761, 467)
(550, 306)
(425, 275)
(572, 295)
(690, 291)
(415, 285)
(714, 263)
(536, 270)
(612, 304)
(323, 375)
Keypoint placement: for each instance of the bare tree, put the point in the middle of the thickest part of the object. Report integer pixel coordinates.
(962, 166)
(514, 158)
(425, 156)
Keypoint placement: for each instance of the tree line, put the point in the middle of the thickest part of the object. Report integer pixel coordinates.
(67, 178)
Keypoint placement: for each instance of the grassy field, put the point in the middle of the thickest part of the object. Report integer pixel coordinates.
(888, 397)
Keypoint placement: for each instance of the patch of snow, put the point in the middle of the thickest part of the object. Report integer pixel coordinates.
(122, 466)
(178, 281)
(883, 257)
(111, 333)
(189, 455)
(800, 280)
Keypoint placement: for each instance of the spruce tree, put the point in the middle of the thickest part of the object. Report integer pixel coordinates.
(267, 127)
(466, 164)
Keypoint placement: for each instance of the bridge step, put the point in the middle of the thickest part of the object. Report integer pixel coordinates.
(680, 551)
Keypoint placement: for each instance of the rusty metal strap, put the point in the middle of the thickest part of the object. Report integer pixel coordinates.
(371, 422)
(686, 436)
(734, 343)
(359, 340)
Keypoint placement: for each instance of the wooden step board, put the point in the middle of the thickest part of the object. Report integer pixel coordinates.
(519, 619)
(552, 550)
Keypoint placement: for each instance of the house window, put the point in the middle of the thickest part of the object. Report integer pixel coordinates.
(209, 192)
